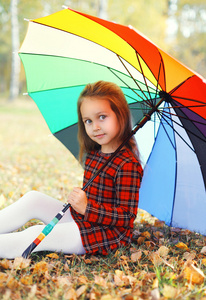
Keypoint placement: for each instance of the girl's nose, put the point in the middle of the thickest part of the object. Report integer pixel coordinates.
(96, 126)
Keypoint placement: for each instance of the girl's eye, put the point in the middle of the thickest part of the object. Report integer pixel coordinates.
(87, 122)
(102, 117)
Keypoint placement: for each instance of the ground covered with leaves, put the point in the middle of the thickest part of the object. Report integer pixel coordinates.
(161, 262)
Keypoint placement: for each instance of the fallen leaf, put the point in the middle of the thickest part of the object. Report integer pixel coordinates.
(140, 240)
(124, 257)
(81, 290)
(169, 291)
(156, 259)
(193, 274)
(12, 283)
(155, 284)
(53, 255)
(40, 268)
(66, 267)
(107, 297)
(146, 234)
(182, 246)
(87, 261)
(158, 223)
(136, 256)
(204, 261)
(3, 278)
(189, 256)
(155, 294)
(21, 263)
(150, 245)
(203, 250)
(163, 251)
(158, 234)
(63, 282)
(100, 280)
(82, 279)
(70, 294)
(32, 292)
(27, 280)
(6, 264)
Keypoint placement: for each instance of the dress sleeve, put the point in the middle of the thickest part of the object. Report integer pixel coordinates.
(123, 213)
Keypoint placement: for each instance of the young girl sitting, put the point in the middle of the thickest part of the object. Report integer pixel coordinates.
(101, 217)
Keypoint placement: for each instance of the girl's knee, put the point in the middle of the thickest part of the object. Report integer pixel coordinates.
(31, 194)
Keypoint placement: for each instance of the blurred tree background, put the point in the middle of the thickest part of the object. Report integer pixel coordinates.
(177, 26)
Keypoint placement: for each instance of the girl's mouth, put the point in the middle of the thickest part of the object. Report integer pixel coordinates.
(99, 136)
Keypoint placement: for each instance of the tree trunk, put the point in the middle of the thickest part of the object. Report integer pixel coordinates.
(15, 62)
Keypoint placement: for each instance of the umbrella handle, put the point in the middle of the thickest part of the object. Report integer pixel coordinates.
(47, 229)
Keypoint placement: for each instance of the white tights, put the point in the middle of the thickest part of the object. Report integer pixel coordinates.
(65, 236)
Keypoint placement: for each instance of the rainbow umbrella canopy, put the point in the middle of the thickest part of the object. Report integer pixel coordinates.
(65, 51)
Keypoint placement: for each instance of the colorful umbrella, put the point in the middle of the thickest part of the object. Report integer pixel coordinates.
(64, 51)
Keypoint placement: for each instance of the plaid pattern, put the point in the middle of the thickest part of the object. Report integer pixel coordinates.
(112, 202)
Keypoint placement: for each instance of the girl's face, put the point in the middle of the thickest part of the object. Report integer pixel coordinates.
(101, 123)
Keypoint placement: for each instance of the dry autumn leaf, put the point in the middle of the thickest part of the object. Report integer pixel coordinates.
(12, 283)
(203, 250)
(140, 240)
(155, 283)
(158, 234)
(107, 297)
(169, 291)
(27, 280)
(53, 255)
(63, 282)
(158, 223)
(204, 261)
(21, 263)
(193, 274)
(70, 294)
(163, 251)
(6, 264)
(156, 259)
(182, 246)
(136, 256)
(3, 278)
(40, 268)
(146, 234)
(189, 256)
(155, 294)
(81, 290)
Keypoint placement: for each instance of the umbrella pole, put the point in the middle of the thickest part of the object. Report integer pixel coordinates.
(48, 228)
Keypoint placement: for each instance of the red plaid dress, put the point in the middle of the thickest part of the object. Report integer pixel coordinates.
(112, 202)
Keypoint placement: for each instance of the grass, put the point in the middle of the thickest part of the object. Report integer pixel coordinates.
(161, 262)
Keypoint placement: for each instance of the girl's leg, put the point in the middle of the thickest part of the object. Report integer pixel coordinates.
(33, 205)
(65, 237)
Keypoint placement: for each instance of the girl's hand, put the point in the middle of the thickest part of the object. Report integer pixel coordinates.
(78, 200)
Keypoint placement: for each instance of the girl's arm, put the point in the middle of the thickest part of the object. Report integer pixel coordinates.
(127, 195)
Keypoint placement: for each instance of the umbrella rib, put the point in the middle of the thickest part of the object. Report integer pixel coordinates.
(184, 127)
(182, 117)
(189, 99)
(143, 74)
(158, 79)
(128, 86)
(132, 77)
(188, 106)
(160, 118)
(165, 116)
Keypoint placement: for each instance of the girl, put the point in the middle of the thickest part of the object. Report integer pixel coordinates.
(101, 218)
